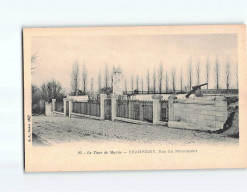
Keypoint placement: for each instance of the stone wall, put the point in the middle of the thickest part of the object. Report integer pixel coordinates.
(198, 113)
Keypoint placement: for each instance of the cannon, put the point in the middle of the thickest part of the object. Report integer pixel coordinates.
(194, 89)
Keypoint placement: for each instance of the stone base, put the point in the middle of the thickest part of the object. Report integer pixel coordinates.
(183, 125)
(84, 116)
(55, 113)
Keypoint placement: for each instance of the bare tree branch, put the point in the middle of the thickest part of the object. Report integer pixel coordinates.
(91, 84)
(160, 77)
(84, 78)
(173, 74)
(142, 84)
(198, 72)
(125, 85)
(181, 80)
(99, 80)
(75, 77)
(190, 74)
(167, 82)
(217, 73)
(137, 82)
(207, 72)
(228, 74)
(154, 79)
(106, 76)
(148, 81)
(132, 83)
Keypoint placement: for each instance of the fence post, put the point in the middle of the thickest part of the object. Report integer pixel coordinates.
(70, 107)
(171, 98)
(113, 106)
(64, 106)
(53, 105)
(102, 106)
(48, 109)
(129, 108)
(156, 108)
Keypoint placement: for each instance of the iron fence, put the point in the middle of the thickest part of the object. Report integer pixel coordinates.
(147, 111)
(123, 108)
(135, 109)
(89, 108)
(164, 110)
(59, 106)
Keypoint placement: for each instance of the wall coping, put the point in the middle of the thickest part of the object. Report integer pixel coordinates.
(195, 101)
(56, 112)
(85, 115)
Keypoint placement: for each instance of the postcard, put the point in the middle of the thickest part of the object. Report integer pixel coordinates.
(135, 98)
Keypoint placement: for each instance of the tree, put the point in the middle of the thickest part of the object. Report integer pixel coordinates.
(142, 84)
(160, 77)
(137, 83)
(75, 77)
(99, 80)
(84, 78)
(167, 82)
(154, 79)
(181, 80)
(217, 73)
(198, 72)
(207, 71)
(106, 76)
(125, 85)
(173, 74)
(113, 68)
(228, 74)
(36, 97)
(148, 81)
(91, 84)
(190, 74)
(51, 90)
(132, 83)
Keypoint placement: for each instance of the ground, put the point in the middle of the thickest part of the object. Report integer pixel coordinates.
(54, 130)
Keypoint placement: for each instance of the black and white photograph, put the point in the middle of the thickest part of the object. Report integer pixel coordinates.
(179, 88)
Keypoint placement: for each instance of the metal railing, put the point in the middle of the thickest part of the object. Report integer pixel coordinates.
(135, 109)
(88, 108)
(59, 106)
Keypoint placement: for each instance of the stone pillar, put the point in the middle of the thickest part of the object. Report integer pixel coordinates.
(48, 109)
(130, 107)
(53, 104)
(171, 107)
(156, 108)
(64, 106)
(70, 107)
(102, 106)
(113, 106)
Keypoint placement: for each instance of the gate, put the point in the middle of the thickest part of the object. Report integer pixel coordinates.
(164, 110)
(67, 108)
(107, 105)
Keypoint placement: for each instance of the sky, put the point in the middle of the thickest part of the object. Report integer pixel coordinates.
(135, 54)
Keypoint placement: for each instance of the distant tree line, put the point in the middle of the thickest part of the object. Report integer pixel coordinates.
(159, 80)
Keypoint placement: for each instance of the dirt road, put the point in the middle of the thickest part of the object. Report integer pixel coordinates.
(52, 130)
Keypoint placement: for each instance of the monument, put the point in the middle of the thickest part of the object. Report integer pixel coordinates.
(118, 81)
